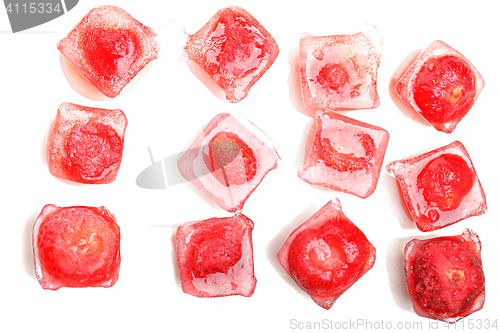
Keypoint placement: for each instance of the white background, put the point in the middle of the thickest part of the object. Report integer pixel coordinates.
(169, 106)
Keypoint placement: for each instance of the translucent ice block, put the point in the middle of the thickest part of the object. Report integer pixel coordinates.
(234, 49)
(228, 184)
(327, 254)
(85, 144)
(346, 155)
(76, 247)
(441, 85)
(109, 48)
(215, 257)
(445, 276)
(340, 72)
(440, 187)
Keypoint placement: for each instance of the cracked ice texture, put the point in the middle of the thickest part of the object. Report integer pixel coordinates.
(339, 72)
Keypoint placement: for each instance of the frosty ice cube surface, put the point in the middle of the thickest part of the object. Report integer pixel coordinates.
(327, 254)
(76, 247)
(215, 257)
(228, 184)
(85, 144)
(346, 155)
(339, 72)
(440, 187)
(234, 49)
(441, 85)
(445, 277)
(109, 48)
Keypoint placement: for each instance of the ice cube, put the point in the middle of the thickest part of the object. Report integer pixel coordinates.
(205, 163)
(346, 155)
(326, 254)
(339, 72)
(85, 144)
(109, 48)
(445, 276)
(440, 187)
(215, 257)
(76, 247)
(234, 49)
(441, 85)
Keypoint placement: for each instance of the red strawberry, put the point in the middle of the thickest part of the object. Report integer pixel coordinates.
(92, 148)
(444, 89)
(344, 161)
(326, 255)
(445, 181)
(232, 161)
(111, 52)
(215, 257)
(76, 247)
(333, 77)
(445, 276)
(234, 49)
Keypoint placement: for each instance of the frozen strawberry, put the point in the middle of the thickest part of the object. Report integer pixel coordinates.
(441, 85)
(233, 170)
(445, 277)
(340, 72)
(440, 187)
(234, 49)
(86, 144)
(109, 48)
(76, 247)
(326, 255)
(228, 160)
(216, 257)
(346, 155)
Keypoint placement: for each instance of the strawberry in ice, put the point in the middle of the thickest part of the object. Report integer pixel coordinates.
(234, 49)
(86, 144)
(339, 72)
(445, 277)
(327, 254)
(228, 160)
(76, 247)
(441, 85)
(215, 257)
(109, 48)
(346, 155)
(440, 187)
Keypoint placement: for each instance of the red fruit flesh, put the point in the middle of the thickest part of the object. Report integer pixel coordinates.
(326, 255)
(333, 77)
(445, 181)
(111, 52)
(445, 277)
(444, 89)
(347, 161)
(234, 49)
(234, 170)
(92, 148)
(215, 257)
(346, 155)
(76, 247)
